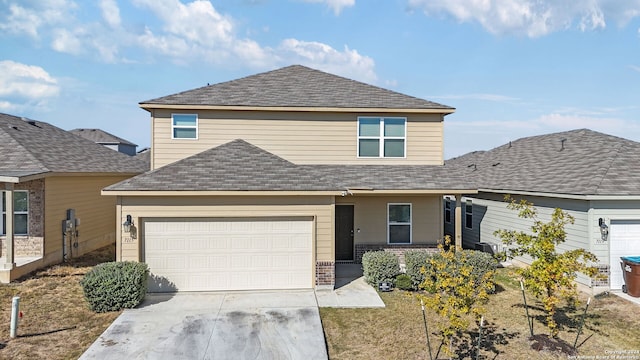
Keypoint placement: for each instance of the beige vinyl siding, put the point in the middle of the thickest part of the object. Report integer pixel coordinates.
(319, 207)
(82, 193)
(300, 137)
(370, 216)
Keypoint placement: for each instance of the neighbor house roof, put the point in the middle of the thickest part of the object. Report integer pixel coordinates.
(240, 166)
(296, 86)
(578, 162)
(30, 148)
(100, 136)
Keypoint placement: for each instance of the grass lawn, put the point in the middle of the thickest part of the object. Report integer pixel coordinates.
(57, 322)
(397, 331)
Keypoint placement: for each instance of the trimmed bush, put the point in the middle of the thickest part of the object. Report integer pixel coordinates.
(415, 260)
(380, 266)
(114, 286)
(480, 263)
(403, 282)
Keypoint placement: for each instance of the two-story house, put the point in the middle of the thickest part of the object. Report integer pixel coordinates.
(266, 182)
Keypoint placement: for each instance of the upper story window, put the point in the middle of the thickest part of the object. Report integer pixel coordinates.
(382, 137)
(184, 126)
(20, 212)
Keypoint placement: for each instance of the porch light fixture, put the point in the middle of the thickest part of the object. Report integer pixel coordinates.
(126, 226)
(604, 229)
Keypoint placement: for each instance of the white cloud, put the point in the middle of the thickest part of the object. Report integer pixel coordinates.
(28, 17)
(533, 18)
(635, 68)
(336, 5)
(184, 32)
(24, 84)
(110, 12)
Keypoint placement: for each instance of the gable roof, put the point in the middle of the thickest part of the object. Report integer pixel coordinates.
(29, 147)
(296, 86)
(100, 136)
(577, 162)
(241, 166)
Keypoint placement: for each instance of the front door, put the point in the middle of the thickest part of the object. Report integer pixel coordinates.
(344, 232)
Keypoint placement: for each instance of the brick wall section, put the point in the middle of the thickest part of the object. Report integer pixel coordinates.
(325, 273)
(32, 244)
(399, 250)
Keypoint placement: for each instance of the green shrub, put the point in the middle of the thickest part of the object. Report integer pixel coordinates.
(114, 286)
(415, 260)
(403, 282)
(481, 263)
(380, 266)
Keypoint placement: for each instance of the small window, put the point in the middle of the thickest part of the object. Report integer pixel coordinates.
(399, 223)
(381, 137)
(447, 211)
(20, 212)
(468, 212)
(184, 126)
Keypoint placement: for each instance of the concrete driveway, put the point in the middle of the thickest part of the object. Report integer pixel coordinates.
(240, 325)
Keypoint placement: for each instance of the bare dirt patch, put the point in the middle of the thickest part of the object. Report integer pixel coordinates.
(57, 322)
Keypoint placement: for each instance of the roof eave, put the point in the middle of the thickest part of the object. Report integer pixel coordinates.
(585, 197)
(283, 193)
(151, 106)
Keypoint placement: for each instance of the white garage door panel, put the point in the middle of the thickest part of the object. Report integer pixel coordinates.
(624, 240)
(224, 254)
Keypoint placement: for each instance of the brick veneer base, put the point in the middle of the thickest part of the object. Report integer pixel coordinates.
(325, 273)
(399, 250)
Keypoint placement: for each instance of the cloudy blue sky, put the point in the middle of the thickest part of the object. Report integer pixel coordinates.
(512, 68)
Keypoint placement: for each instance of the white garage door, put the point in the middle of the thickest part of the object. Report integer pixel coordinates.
(624, 238)
(228, 254)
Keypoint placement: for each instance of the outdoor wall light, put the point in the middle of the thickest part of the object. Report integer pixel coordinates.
(604, 229)
(126, 226)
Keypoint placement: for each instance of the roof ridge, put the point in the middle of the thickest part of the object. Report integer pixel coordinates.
(618, 147)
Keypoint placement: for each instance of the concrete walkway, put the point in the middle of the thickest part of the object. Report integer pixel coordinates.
(240, 325)
(351, 290)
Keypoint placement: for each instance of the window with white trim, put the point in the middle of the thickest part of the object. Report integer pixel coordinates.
(468, 214)
(20, 212)
(399, 223)
(184, 126)
(447, 211)
(382, 137)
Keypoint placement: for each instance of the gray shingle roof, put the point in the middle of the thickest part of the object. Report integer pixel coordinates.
(295, 86)
(578, 162)
(240, 166)
(29, 147)
(100, 136)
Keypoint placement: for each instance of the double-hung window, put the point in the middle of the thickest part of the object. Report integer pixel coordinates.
(184, 126)
(382, 137)
(468, 212)
(447, 211)
(20, 212)
(399, 223)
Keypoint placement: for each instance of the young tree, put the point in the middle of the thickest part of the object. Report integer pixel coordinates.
(454, 290)
(551, 276)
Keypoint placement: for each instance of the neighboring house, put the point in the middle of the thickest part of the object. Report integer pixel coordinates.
(47, 176)
(108, 140)
(145, 156)
(266, 182)
(593, 176)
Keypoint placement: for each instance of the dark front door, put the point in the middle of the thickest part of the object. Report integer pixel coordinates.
(344, 232)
